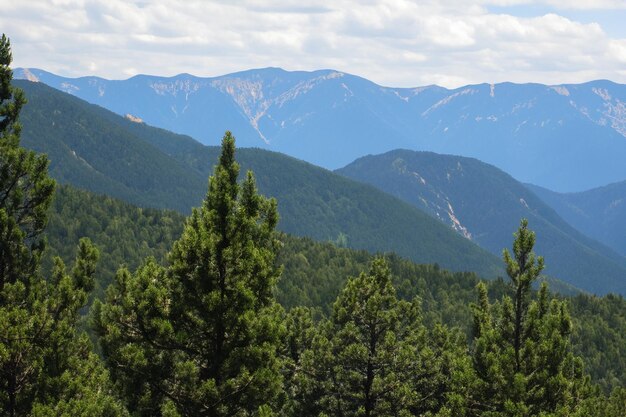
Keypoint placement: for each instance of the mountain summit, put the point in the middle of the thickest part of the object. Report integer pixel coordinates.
(564, 137)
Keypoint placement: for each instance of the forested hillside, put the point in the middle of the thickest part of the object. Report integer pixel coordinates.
(85, 150)
(314, 273)
(124, 234)
(484, 203)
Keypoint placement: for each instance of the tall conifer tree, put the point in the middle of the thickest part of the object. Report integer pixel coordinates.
(522, 351)
(200, 337)
(46, 367)
(375, 358)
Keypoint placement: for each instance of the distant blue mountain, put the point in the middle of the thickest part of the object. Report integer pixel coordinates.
(599, 213)
(566, 137)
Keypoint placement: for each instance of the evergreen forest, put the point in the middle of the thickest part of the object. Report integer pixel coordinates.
(107, 309)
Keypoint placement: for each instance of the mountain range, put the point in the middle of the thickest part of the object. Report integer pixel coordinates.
(95, 149)
(564, 137)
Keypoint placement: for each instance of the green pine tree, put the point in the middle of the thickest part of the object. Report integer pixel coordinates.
(375, 358)
(200, 336)
(25, 188)
(522, 352)
(40, 348)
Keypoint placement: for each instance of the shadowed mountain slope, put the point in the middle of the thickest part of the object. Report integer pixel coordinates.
(485, 204)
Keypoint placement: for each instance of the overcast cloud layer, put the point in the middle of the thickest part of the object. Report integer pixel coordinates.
(397, 43)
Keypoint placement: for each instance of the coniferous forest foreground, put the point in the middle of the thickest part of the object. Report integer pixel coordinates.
(215, 325)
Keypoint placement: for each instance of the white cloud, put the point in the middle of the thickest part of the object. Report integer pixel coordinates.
(561, 4)
(617, 50)
(392, 42)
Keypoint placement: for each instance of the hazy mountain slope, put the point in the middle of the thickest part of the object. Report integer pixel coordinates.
(566, 137)
(485, 204)
(124, 160)
(599, 212)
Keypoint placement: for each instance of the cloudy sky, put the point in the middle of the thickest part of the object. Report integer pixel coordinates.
(399, 43)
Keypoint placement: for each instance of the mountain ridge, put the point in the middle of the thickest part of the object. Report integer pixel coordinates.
(484, 204)
(574, 135)
(313, 202)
